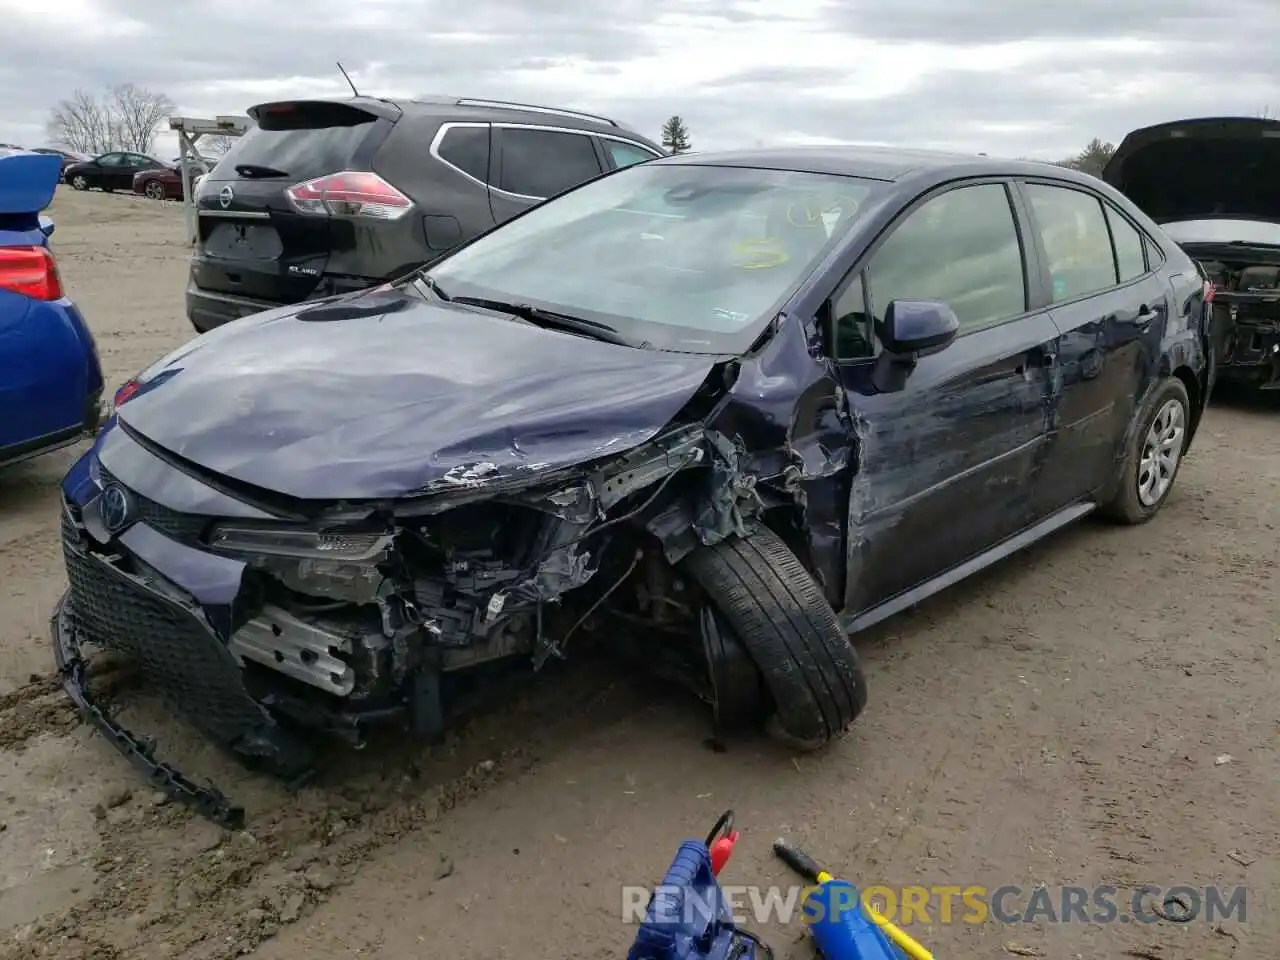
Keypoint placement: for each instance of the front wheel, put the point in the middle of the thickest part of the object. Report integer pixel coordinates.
(777, 610)
(154, 190)
(79, 182)
(1155, 453)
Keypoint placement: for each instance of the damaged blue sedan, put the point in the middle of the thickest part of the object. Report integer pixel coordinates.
(719, 411)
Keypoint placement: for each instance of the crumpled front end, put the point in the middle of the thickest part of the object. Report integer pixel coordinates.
(254, 620)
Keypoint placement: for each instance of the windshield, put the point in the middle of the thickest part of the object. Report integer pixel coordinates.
(1224, 231)
(686, 258)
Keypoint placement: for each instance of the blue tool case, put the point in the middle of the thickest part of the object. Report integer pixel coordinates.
(689, 917)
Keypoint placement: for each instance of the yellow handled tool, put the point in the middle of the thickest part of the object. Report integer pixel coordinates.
(805, 865)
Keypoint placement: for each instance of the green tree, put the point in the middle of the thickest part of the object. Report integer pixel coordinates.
(675, 135)
(1092, 159)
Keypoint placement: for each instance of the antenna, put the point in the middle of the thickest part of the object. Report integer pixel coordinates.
(347, 77)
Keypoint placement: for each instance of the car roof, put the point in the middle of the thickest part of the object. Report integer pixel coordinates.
(878, 163)
(451, 108)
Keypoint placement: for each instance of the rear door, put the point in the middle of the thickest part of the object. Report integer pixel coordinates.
(105, 171)
(251, 242)
(1111, 308)
(534, 163)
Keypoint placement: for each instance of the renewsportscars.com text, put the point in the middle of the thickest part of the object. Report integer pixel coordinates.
(956, 904)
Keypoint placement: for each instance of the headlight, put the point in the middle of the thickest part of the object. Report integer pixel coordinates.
(299, 544)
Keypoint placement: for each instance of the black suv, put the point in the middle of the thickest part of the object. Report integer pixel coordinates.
(322, 197)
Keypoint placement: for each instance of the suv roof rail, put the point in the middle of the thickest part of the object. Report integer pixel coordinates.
(531, 108)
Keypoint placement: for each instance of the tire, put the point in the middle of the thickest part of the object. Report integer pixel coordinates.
(1137, 500)
(778, 611)
(154, 190)
(78, 182)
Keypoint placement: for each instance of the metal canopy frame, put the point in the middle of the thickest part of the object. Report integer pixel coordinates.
(189, 131)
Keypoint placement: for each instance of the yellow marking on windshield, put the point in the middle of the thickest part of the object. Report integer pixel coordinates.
(761, 254)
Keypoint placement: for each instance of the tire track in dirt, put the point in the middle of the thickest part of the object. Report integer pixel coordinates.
(171, 884)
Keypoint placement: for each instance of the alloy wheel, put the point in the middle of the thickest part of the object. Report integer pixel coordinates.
(1161, 451)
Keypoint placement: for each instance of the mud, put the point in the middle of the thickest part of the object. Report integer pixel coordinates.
(1060, 720)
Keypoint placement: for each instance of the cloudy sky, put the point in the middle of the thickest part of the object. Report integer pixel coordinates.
(1012, 77)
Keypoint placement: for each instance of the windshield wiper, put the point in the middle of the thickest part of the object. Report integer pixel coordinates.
(257, 170)
(430, 284)
(554, 319)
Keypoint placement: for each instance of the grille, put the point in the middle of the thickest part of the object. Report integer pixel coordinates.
(191, 667)
(187, 528)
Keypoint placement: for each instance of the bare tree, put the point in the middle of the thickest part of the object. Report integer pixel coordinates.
(137, 114)
(127, 118)
(82, 123)
(216, 145)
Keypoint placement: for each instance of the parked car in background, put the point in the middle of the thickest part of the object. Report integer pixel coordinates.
(1213, 184)
(110, 171)
(159, 183)
(50, 377)
(732, 406)
(68, 157)
(325, 196)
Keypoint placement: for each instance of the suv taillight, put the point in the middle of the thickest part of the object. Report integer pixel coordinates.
(1209, 291)
(349, 194)
(31, 272)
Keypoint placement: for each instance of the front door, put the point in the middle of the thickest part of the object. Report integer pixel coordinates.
(1111, 311)
(534, 163)
(944, 465)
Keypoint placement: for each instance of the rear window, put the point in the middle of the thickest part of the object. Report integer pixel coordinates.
(302, 141)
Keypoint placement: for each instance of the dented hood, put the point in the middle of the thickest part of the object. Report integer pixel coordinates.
(401, 400)
(1201, 169)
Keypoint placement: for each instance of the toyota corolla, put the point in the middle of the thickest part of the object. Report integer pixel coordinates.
(716, 411)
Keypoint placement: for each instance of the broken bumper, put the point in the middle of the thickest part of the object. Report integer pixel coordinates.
(168, 637)
(72, 674)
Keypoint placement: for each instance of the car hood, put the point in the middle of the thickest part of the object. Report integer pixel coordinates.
(1201, 168)
(385, 395)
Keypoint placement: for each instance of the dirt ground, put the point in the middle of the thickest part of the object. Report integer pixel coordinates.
(1102, 710)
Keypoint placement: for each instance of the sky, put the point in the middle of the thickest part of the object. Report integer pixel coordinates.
(1030, 78)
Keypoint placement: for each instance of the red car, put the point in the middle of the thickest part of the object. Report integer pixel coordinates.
(162, 183)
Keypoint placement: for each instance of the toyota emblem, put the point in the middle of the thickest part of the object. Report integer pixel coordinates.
(115, 506)
(225, 196)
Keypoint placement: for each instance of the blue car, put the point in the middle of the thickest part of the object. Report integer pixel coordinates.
(50, 377)
(715, 411)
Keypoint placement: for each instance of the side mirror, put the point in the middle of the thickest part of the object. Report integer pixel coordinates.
(909, 330)
(917, 328)
(46, 225)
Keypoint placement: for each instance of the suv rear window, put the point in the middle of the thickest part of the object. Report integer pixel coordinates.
(543, 163)
(300, 140)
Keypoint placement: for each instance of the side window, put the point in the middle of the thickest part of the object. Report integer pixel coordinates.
(1155, 256)
(1073, 229)
(625, 154)
(110, 159)
(543, 163)
(1130, 258)
(962, 248)
(467, 148)
(850, 324)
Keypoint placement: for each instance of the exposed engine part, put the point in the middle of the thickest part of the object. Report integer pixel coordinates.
(308, 652)
(515, 635)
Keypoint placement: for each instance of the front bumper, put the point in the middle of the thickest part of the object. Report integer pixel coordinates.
(73, 675)
(161, 629)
